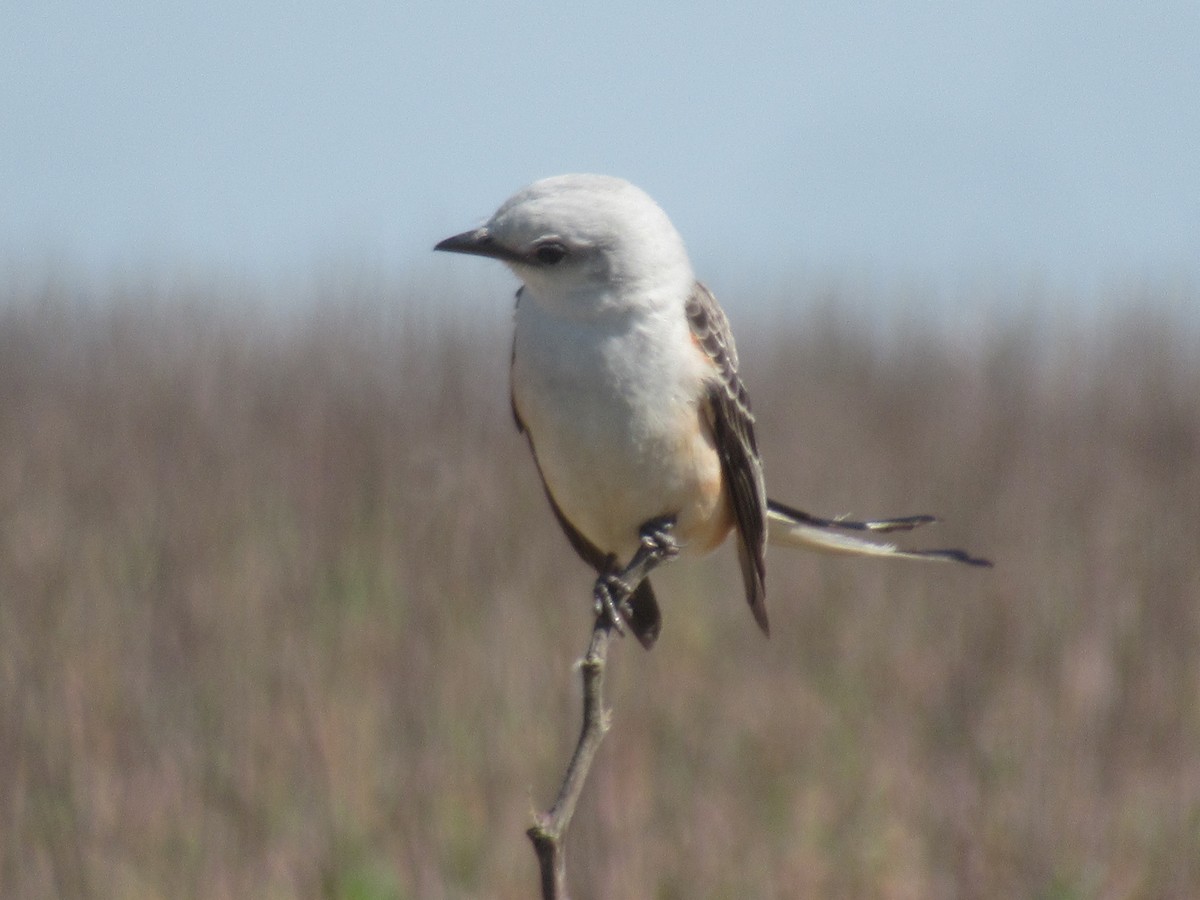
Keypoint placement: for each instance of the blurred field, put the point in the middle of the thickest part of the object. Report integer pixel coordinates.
(283, 614)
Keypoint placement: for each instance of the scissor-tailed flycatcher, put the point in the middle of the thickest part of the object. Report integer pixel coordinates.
(625, 382)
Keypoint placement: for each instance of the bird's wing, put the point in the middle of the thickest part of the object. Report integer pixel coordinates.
(727, 408)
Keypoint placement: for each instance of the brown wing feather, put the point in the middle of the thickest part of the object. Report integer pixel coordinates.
(732, 423)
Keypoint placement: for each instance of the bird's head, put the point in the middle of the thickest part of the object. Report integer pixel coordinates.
(583, 239)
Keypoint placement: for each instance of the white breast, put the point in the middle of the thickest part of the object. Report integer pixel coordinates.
(611, 406)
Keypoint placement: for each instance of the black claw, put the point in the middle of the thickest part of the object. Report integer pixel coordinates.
(615, 589)
(657, 541)
(611, 597)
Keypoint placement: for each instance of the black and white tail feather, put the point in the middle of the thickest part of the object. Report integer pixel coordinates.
(792, 527)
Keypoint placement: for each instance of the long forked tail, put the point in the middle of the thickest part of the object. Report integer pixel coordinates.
(796, 528)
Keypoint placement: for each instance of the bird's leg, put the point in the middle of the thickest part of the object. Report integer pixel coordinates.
(615, 586)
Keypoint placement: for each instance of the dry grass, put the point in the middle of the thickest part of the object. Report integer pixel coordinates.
(282, 614)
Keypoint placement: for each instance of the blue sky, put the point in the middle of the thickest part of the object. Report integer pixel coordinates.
(936, 141)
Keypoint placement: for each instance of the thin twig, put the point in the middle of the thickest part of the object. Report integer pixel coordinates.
(549, 829)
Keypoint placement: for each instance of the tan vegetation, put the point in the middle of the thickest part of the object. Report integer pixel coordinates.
(283, 614)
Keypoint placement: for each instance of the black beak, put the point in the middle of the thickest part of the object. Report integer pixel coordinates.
(478, 242)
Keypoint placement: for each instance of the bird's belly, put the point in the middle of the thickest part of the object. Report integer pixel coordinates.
(613, 461)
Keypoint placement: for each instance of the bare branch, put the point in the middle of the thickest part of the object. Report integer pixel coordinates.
(549, 829)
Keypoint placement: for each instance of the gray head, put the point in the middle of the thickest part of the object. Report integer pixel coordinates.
(579, 236)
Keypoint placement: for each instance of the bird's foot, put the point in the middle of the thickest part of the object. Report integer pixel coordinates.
(657, 544)
(615, 587)
(611, 600)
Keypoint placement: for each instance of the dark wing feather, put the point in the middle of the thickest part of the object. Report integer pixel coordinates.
(728, 409)
(512, 399)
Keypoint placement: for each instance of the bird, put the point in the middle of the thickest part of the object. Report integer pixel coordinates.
(624, 380)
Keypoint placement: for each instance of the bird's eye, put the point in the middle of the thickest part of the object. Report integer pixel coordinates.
(550, 253)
